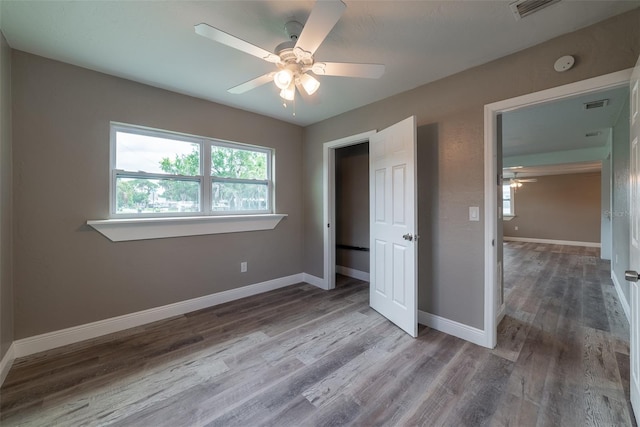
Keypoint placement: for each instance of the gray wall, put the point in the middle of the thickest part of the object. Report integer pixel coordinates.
(620, 214)
(6, 261)
(66, 273)
(352, 205)
(455, 106)
(558, 207)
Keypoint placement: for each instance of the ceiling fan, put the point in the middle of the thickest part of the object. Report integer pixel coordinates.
(294, 58)
(517, 183)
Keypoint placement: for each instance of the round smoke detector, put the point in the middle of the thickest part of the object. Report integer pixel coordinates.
(564, 63)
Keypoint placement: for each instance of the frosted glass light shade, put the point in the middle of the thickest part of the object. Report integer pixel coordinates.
(289, 92)
(283, 78)
(309, 84)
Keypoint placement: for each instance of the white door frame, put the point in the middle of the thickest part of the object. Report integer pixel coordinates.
(607, 81)
(329, 197)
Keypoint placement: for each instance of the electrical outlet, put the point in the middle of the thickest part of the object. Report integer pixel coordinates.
(243, 267)
(515, 228)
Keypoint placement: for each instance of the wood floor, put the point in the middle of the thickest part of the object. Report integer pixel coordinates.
(300, 356)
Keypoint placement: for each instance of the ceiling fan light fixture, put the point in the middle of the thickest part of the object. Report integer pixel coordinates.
(309, 84)
(289, 93)
(283, 78)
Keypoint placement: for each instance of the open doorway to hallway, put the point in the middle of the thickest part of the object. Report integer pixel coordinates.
(565, 171)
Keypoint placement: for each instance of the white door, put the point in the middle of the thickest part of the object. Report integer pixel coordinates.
(393, 222)
(634, 252)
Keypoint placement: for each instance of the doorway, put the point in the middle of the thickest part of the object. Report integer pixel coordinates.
(493, 307)
(352, 211)
(329, 190)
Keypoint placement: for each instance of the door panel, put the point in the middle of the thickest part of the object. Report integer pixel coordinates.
(393, 290)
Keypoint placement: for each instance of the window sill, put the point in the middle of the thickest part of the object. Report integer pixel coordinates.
(122, 230)
(508, 218)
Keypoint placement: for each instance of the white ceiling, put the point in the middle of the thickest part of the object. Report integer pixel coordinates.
(153, 42)
(561, 125)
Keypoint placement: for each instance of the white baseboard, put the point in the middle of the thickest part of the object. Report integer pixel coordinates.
(315, 281)
(38, 343)
(623, 301)
(552, 242)
(6, 362)
(352, 272)
(460, 330)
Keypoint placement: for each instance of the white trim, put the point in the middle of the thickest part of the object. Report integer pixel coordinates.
(6, 362)
(460, 330)
(352, 272)
(491, 111)
(315, 281)
(328, 191)
(121, 230)
(552, 241)
(501, 313)
(623, 301)
(43, 342)
(491, 186)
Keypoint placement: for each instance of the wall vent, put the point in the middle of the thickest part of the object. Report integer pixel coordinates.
(596, 104)
(522, 8)
(590, 134)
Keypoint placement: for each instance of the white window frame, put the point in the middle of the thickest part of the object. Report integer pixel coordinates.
(512, 193)
(204, 179)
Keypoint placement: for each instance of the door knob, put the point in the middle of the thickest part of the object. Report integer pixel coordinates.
(631, 276)
(408, 237)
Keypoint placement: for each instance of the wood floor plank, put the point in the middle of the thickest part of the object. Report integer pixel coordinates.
(300, 356)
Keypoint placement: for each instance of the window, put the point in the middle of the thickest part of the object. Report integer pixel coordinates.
(507, 201)
(158, 173)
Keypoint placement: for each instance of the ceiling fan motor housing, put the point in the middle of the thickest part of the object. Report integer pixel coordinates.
(293, 30)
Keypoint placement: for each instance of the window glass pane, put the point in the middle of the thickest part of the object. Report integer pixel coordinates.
(506, 191)
(506, 200)
(142, 153)
(237, 163)
(227, 196)
(142, 195)
(506, 207)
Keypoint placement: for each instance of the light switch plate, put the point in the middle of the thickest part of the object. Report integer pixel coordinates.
(474, 213)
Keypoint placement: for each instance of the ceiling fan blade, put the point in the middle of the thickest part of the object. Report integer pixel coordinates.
(220, 36)
(324, 16)
(347, 69)
(251, 84)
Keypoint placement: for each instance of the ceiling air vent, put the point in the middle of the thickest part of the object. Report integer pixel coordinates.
(522, 8)
(591, 134)
(596, 104)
